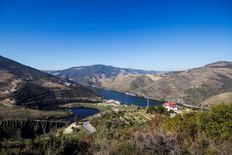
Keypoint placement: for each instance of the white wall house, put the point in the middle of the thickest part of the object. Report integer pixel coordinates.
(170, 106)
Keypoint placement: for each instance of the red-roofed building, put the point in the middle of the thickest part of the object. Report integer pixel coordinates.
(170, 106)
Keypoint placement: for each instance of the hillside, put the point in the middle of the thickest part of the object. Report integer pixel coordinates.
(101, 75)
(125, 83)
(20, 84)
(191, 86)
(217, 99)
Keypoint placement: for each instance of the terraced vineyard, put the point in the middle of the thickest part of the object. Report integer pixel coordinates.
(134, 118)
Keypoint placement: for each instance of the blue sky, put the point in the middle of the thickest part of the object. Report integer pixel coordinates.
(145, 34)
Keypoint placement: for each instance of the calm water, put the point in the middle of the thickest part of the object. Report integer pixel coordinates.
(106, 94)
(81, 113)
(77, 112)
(124, 98)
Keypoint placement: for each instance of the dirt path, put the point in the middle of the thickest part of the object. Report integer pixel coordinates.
(87, 126)
(69, 129)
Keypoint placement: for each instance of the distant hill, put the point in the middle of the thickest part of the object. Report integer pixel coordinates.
(97, 74)
(192, 86)
(20, 84)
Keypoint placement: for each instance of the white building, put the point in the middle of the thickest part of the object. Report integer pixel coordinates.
(170, 106)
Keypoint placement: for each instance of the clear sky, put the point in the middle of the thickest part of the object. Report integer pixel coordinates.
(145, 34)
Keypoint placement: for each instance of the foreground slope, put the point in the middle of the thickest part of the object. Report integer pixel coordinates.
(136, 132)
(21, 84)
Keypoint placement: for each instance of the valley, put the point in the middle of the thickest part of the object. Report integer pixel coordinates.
(186, 86)
(114, 111)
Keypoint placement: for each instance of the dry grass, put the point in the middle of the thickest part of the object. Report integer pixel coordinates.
(224, 97)
(126, 83)
(50, 84)
(4, 76)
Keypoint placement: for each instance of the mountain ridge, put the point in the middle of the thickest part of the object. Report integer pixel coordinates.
(191, 86)
(95, 74)
(20, 84)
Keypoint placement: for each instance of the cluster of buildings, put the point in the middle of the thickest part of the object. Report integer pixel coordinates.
(173, 106)
(68, 84)
(110, 102)
(113, 102)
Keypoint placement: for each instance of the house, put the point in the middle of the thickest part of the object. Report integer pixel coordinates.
(170, 106)
(67, 84)
(113, 102)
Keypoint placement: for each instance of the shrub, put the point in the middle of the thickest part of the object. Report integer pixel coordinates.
(206, 132)
(157, 110)
(217, 123)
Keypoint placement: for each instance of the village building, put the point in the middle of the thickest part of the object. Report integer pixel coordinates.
(170, 106)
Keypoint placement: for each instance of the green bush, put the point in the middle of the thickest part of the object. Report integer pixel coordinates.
(205, 130)
(157, 110)
(217, 123)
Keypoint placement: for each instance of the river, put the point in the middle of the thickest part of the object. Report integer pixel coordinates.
(124, 98)
(81, 113)
(105, 94)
